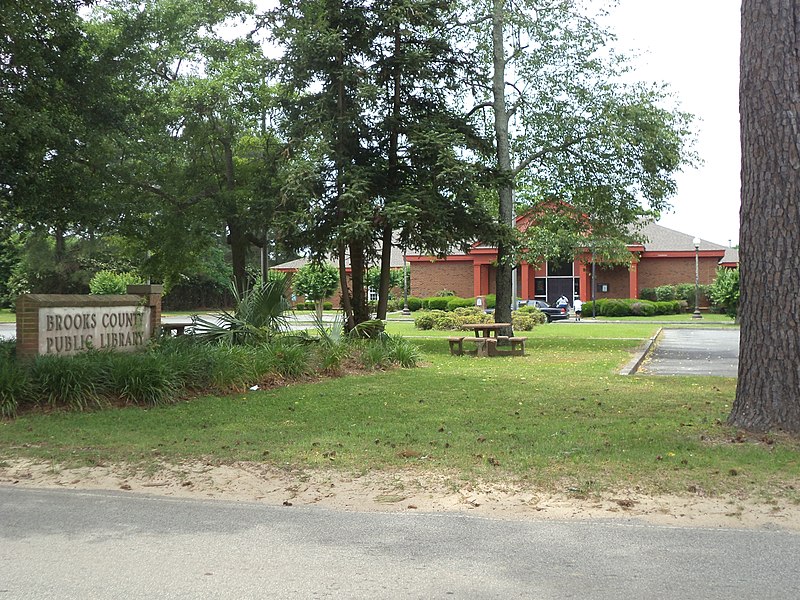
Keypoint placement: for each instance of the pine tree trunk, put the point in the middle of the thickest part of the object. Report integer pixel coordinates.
(503, 283)
(768, 390)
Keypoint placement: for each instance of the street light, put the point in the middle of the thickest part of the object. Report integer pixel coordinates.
(406, 311)
(696, 314)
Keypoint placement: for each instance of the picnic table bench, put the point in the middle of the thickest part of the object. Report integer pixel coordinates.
(179, 328)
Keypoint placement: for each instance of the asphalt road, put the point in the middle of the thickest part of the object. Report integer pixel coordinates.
(70, 544)
(694, 352)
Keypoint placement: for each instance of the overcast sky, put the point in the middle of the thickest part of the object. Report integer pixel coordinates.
(693, 45)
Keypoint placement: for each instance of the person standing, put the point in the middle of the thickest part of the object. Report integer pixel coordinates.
(578, 304)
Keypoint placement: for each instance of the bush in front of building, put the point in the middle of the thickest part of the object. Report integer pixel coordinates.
(456, 302)
(110, 282)
(447, 320)
(629, 307)
(526, 318)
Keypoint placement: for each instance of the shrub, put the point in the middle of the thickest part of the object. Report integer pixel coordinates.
(445, 293)
(286, 357)
(616, 308)
(643, 308)
(724, 292)
(457, 302)
(368, 329)
(111, 282)
(672, 307)
(403, 352)
(526, 321)
(15, 388)
(491, 300)
(414, 304)
(327, 305)
(70, 381)
(648, 294)
(425, 321)
(665, 293)
(438, 302)
(191, 363)
(142, 378)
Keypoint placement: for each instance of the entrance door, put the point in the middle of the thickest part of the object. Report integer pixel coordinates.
(559, 286)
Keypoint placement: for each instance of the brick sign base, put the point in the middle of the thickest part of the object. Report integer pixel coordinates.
(65, 324)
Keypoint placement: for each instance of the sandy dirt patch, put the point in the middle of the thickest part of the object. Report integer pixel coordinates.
(378, 491)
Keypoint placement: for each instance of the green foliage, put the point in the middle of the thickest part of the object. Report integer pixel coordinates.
(142, 378)
(444, 293)
(258, 316)
(402, 352)
(371, 329)
(626, 307)
(414, 303)
(111, 282)
(395, 278)
(457, 302)
(75, 382)
(15, 387)
(443, 320)
(724, 292)
(437, 302)
(315, 281)
(527, 320)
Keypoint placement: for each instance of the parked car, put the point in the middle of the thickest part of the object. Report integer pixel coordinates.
(551, 312)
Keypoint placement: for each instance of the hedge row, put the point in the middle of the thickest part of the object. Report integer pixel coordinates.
(665, 293)
(522, 320)
(629, 307)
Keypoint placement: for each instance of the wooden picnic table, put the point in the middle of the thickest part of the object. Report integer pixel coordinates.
(486, 339)
(486, 330)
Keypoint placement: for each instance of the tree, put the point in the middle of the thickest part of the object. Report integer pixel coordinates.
(724, 292)
(56, 109)
(316, 282)
(769, 359)
(195, 160)
(384, 153)
(566, 129)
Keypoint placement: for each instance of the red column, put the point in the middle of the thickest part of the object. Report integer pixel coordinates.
(476, 281)
(584, 275)
(633, 277)
(525, 291)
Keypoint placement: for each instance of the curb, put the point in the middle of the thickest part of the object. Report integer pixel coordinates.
(641, 354)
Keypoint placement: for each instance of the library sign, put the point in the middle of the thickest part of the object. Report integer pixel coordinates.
(62, 324)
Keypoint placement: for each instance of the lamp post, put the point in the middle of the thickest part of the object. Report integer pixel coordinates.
(406, 311)
(696, 314)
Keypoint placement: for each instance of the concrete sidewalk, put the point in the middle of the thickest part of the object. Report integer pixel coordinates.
(693, 352)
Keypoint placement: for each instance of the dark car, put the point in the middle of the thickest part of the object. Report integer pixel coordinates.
(551, 312)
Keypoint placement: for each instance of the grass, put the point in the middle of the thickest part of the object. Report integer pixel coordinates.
(559, 418)
(6, 316)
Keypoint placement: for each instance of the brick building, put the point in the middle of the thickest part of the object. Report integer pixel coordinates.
(665, 257)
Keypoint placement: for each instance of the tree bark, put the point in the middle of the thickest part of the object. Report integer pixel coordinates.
(394, 178)
(768, 389)
(503, 285)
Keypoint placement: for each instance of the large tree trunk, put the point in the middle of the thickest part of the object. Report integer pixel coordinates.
(768, 390)
(502, 311)
(394, 176)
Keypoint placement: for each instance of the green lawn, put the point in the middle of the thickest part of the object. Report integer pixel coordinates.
(560, 418)
(6, 316)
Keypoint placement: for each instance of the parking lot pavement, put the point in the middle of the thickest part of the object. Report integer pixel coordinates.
(694, 352)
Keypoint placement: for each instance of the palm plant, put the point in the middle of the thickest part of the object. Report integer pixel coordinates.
(260, 314)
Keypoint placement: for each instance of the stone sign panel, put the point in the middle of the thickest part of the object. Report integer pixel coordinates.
(67, 324)
(71, 329)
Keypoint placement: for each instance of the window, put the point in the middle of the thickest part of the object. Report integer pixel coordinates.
(559, 269)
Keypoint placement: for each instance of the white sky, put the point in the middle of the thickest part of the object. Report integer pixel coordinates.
(693, 45)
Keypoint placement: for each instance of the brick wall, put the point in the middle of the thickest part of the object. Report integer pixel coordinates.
(428, 278)
(654, 272)
(617, 279)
